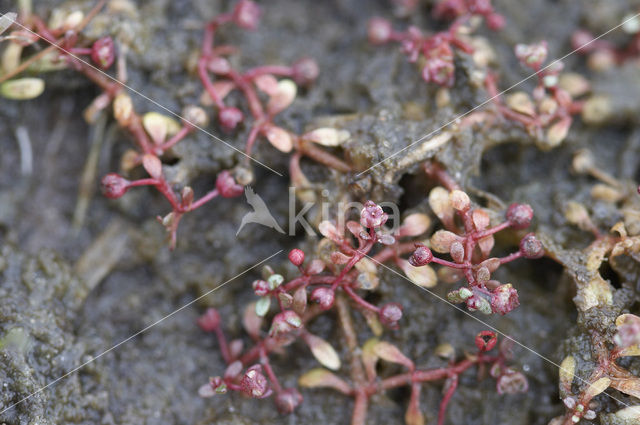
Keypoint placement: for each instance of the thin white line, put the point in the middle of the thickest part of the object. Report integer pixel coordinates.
(136, 334)
(490, 327)
(497, 95)
(145, 97)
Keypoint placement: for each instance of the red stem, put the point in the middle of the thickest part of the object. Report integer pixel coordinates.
(453, 384)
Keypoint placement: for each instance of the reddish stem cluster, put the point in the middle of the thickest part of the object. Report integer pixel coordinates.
(469, 243)
(150, 132)
(314, 292)
(212, 61)
(437, 49)
(255, 85)
(552, 107)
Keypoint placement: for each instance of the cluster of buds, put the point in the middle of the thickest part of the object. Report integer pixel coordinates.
(345, 270)
(155, 134)
(437, 50)
(263, 79)
(469, 247)
(605, 373)
(603, 54)
(547, 113)
(508, 380)
(115, 186)
(62, 35)
(268, 90)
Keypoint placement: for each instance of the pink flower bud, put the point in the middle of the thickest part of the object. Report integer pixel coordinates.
(246, 14)
(495, 21)
(305, 71)
(583, 40)
(512, 382)
(390, 315)
(227, 186)
(531, 247)
(439, 71)
(114, 186)
(103, 52)
(486, 340)
(372, 215)
(519, 216)
(284, 323)
(230, 117)
(254, 384)
(379, 31)
(288, 400)
(421, 256)
(324, 297)
(210, 320)
(296, 256)
(260, 287)
(532, 55)
(504, 299)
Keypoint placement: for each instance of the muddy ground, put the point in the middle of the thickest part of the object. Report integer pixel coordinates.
(58, 309)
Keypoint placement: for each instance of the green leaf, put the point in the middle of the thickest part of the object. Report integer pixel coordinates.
(22, 88)
(262, 306)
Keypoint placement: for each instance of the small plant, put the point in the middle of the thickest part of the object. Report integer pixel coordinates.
(256, 84)
(364, 386)
(436, 52)
(153, 133)
(349, 269)
(469, 242)
(547, 114)
(606, 373)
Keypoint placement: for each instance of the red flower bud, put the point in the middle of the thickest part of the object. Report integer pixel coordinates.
(519, 216)
(229, 117)
(305, 71)
(531, 247)
(439, 71)
(284, 323)
(210, 320)
(114, 186)
(288, 400)
(296, 256)
(246, 14)
(103, 52)
(486, 340)
(227, 186)
(495, 21)
(372, 215)
(260, 287)
(254, 384)
(504, 299)
(421, 256)
(379, 31)
(390, 315)
(324, 297)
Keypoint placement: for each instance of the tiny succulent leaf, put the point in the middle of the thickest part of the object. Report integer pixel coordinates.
(262, 306)
(323, 351)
